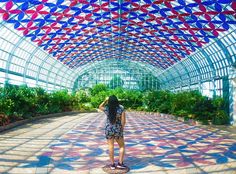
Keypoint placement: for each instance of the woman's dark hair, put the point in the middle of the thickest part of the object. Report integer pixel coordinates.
(113, 105)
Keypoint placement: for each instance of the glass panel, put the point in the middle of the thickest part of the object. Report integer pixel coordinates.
(14, 79)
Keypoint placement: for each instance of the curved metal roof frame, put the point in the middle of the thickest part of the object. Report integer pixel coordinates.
(81, 33)
(159, 32)
(211, 62)
(112, 67)
(22, 62)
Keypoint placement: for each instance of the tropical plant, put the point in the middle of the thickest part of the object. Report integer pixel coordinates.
(42, 101)
(185, 102)
(20, 102)
(132, 99)
(59, 101)
(203, 109)
(98, 98)
(220, 116)
(158, 101)
(82, 96)
(98, 88)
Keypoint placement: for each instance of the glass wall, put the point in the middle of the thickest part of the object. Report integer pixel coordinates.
(205, 68)
(23, 62)
(118, 73)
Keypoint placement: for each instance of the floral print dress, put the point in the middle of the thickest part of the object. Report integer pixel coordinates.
(114, 130)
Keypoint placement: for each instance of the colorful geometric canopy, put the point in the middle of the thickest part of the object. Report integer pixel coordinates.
(157, 32)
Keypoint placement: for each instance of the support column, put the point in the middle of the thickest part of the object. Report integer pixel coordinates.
(232, 101)
(226, 93)
(232, 96)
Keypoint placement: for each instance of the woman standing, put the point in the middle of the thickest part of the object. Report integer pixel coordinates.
(114, 128)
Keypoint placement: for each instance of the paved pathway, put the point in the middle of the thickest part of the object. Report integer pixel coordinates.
(155, 144)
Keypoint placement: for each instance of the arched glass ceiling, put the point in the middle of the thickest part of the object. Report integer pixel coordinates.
(158, 32)
(22, 62)
(214, 61)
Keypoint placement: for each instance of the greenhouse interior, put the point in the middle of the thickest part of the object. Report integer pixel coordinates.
(170, 63)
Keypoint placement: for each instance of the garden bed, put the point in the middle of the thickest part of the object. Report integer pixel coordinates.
(22, 102)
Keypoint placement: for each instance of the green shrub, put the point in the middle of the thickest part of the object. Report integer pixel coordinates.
(82, 96)
(22, 102)
(132, 99)
(150, 100)
(220, 117)
(98, 88)
(182, 113)
(86, 107)
(185, 101)
(204, 109)
(141, 108)
(60, 101)
(158, 101)
(219, 104)
(42, 101)
(19, 102)
(98, 98)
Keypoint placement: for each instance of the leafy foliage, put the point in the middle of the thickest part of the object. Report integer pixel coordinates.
(21, 102)
(158, 101)
(220, 115)
(98, 98)
(60, 101)
(185, 103)
(41, 101)
(98, 88)
(130, 99)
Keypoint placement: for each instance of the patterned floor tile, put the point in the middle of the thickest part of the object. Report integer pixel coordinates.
(155, 143)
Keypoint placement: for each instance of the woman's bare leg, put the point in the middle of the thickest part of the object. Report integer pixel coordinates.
(110, 143)
(121, 144)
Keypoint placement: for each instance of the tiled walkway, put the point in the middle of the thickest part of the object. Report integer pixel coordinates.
(154, 144)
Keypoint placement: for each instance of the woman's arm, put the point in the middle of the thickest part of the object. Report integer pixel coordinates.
(123, 120)
(102, 105)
